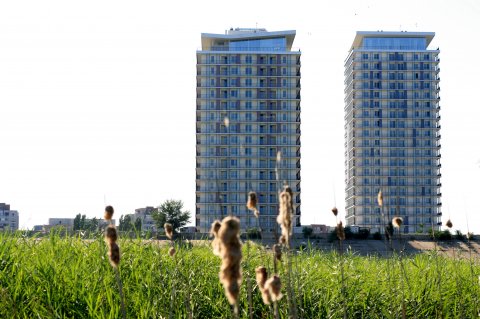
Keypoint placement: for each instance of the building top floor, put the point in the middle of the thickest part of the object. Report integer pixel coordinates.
(249, 40)
(392, 40)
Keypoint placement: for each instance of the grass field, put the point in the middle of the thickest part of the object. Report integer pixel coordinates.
(71, 278)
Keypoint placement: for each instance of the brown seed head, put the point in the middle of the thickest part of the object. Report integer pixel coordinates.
(279, 156)
(231, 253)
(449, 223)
(380, 198)
(171, 251)
(111, 234)
(261, 277)
(114, 254)
(214, 232)
(274, 286)
(252, 201)
(397, 222)
(335, 211)
(282, 240)
(277, 250)
(284, 218)
(340, 231)
(256, 213)
(168, 230)
(108, 213)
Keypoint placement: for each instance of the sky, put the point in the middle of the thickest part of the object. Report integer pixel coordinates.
(97, 99)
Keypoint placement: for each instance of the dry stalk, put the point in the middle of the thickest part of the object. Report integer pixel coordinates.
(111, 238)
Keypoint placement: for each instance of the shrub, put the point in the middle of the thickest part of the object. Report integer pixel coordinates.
(377, 236)
(307, 232)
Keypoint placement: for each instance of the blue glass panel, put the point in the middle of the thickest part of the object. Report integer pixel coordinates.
(276, 44)
(394, 43)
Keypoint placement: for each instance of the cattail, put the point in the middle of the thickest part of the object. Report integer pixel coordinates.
(214, 232)
(449, 223)
(284, 217)
(114, 254)
(279, 156)
(261, 277)
(282, 240)
(111, 234)
(252, 203)
(168, 230)
(226, 121)
(340, 231)
(397, 222)
(274, 286)
(277, 249)
(380, 198)
(108, 213)
(171, 251)
(335, 211)
(231, 253)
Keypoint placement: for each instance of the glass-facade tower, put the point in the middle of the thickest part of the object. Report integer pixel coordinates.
(248, 111)
(392, 131)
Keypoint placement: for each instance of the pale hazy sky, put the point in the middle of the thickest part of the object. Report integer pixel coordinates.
(97, 98)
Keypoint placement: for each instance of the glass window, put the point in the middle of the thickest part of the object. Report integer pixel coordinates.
(275, 44)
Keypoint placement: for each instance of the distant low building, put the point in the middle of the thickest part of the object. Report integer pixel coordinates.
(65, 222)
(320, 229)
(145, 215)
(8, 218)
(38, 228)
(188, 229)
(69, 222)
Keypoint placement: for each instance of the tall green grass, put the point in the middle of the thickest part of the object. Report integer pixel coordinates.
(70, 277)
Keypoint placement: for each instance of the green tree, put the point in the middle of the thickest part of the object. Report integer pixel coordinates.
(171, 211)
(76, 222)
(83, 222)
(125, 223)
(93, 224)
(307, 232)
(138, 224)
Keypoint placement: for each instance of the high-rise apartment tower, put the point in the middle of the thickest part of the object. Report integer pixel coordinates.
(248, 113)
(392, 131)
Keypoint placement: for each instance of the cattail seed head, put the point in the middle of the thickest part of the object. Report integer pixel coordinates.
(252, 201)
(171, 251)
(111, 234)
(274, 286)
(277, 250)
(397, 222)
(340, 231)
(284, 218)
(168, 230)
(108, 213)
(214, 232)
(261, 277)
(335, 211)
(114, 254)
(380, 198)
(256, 213)
(231, 253)
(282, 240)
(279, 156)
(449, 223)
(215, 228)
(226, 121)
